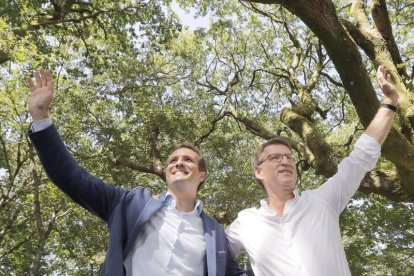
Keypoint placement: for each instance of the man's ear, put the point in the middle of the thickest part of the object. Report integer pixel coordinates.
(258, 173)
(202, 176)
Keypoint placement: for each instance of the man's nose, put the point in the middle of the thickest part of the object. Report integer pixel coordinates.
(179, 162)
(284, 160)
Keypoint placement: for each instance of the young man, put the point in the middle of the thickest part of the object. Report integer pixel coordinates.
(298, 234)
(170, 235)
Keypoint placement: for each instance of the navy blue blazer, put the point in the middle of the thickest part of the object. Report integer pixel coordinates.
(124, 211)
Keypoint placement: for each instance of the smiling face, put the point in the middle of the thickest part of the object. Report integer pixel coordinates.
(183, 173)
(277, 175)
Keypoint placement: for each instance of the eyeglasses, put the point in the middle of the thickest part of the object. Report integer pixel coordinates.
(277, 157)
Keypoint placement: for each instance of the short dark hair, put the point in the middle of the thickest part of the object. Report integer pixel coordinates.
(202, 163)
(256, 158)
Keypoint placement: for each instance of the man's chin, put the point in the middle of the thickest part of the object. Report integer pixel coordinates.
(179, 180)
(181, 187)
(179, 183)
(288, 187)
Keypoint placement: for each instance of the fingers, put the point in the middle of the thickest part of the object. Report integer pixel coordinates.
(380, 72)
(382, 75)
(30, 83)
(385, 82)
(42, 77)
(38, 79)
(388, 77)
(47, 76)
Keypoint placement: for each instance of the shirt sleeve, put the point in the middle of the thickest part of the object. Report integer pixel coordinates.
(41, 124)
(233, 237)
(340, 188)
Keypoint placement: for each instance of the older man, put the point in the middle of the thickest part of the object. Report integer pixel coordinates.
(298, 234)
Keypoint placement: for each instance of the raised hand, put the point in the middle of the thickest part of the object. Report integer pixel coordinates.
(41, 94)
(384, 81)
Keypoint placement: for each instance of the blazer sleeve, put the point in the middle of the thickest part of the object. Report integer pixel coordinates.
(232, 268)
(88, 191)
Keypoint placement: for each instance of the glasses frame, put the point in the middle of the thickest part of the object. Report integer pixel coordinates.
(289, 157)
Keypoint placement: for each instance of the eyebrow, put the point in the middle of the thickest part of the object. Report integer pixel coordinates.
(271, 153)
(177, 156)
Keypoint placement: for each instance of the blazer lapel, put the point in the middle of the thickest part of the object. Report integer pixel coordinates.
(152, 206)
(210, 239)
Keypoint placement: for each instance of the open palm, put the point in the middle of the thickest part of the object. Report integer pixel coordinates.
(41, 94)
(388, 88)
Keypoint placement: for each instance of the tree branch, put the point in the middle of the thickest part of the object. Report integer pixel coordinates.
(383, 24)
(211, 130)
(256, 129)
(383, 183)
(156, 156)
(122, 161)
(4, 56)
(325, 158)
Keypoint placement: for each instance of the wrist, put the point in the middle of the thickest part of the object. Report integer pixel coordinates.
(389, 106)
(391, 101)
(39, 116)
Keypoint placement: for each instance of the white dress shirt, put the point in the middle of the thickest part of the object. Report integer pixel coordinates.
(306, 239)
(171, 243)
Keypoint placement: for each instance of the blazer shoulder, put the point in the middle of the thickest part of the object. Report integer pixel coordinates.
(140, 192)
(210, 222)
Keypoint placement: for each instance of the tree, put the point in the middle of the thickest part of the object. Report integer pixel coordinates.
(76, 39)
(378, 43)
(131, 83)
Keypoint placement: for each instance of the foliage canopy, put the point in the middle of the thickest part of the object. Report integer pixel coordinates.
(131, 82)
